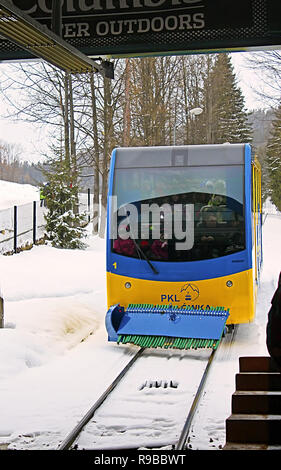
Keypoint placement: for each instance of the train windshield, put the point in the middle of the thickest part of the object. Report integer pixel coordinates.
(156, 211)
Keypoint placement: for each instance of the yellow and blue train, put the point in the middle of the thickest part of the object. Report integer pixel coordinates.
(183, 239)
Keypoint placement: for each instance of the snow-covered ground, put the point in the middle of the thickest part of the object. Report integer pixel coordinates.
(23, 196)
(13, 194)
(49, 377)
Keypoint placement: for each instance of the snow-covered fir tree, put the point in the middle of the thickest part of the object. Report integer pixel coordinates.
(64, 225)
(229, 117)
(273, 160)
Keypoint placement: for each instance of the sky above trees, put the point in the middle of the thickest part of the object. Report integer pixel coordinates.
(34, 139)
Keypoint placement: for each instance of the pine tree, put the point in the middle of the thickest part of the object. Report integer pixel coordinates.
(229, 117)
(64, 225)
(273, 160)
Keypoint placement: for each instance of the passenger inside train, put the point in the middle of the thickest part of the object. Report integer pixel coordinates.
(217, 221)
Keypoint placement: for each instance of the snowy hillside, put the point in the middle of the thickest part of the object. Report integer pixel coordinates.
(12, 194)
(53, 300)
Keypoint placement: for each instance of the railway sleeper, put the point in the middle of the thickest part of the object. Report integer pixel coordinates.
(159, 384)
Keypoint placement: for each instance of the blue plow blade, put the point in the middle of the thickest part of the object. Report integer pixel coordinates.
(166, 321)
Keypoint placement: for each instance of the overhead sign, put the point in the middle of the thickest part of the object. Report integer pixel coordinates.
(134, 27)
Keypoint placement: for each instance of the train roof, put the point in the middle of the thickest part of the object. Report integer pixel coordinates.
(181, 156)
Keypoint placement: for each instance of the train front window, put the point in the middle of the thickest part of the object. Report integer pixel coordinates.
(213, 196)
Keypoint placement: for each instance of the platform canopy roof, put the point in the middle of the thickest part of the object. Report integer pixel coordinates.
(40, 41)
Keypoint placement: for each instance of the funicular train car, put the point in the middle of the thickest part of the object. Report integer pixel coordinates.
(184, 248)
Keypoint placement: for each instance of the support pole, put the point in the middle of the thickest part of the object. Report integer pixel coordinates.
(56, 17)
(34, 222)
(1, 311)
(89, 204)
(15, 227)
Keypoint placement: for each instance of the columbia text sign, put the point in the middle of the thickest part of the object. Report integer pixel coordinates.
(134, 27)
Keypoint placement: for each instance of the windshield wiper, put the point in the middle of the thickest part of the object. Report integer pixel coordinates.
(145, 257)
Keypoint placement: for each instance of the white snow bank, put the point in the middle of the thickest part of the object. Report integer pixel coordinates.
(13, 194)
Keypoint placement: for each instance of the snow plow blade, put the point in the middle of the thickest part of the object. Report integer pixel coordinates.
(165, 326)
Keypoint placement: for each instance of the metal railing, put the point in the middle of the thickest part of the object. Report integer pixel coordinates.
(24, 225)
(21, 225)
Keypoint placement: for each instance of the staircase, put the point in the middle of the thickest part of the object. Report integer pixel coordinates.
(255, 422)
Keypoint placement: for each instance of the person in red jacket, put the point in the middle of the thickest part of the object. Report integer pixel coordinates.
(124, 247)
(159, 248)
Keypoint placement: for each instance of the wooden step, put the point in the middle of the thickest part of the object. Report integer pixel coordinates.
(256, 402)
(258, 381)
(255, 422)
(251, 446)
(257, 364)
(258, 429)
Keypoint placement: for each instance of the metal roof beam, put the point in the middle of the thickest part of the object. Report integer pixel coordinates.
(29, 34)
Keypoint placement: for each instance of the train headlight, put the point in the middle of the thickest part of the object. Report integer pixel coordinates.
(229, 283)
(128, 285)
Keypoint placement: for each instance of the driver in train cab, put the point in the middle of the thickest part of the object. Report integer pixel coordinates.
(209, 244)
(210, 223)
(218, 198)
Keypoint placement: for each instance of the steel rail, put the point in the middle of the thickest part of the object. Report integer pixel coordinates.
(72, 436)
(185, 431)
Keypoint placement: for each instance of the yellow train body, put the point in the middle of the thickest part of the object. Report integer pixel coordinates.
(236, 292)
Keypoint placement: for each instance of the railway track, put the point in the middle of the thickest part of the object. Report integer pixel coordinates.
(72, 436)
(69, 441)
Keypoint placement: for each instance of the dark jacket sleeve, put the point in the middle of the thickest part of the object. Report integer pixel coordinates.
(273, 328)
